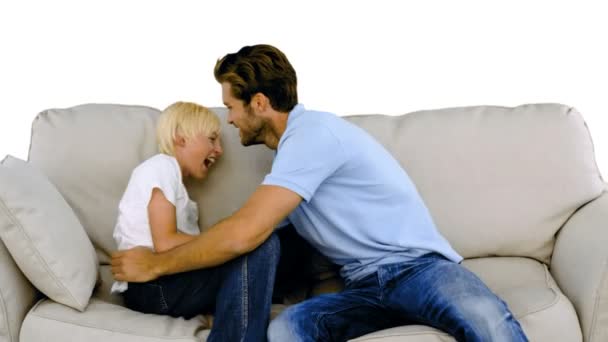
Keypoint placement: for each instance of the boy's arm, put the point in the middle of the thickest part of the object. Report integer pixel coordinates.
(163, 223)
(236, 235)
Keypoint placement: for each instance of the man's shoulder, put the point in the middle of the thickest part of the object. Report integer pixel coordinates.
(315, 120)
(313, 114)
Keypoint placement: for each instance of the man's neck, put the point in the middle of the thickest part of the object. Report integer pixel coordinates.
(277, 124)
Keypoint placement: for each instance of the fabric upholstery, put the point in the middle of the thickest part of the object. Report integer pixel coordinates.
(500, 183)
(497, 180)
(580, 266)
(88, 152)
(49, 321)
(525, 284)
(232, 179)
(43, 235)
(17, 295)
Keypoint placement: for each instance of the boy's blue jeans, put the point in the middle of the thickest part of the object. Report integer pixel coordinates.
(239, 292)
(429, 290)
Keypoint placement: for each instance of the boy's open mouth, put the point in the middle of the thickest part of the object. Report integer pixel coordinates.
(209, 161)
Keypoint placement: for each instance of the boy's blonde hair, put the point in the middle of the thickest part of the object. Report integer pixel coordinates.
(186, 119)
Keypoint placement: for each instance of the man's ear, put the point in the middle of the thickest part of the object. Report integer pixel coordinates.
(260, 102)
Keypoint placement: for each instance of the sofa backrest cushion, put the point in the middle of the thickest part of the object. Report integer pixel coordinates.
(498, 181)
(89, 151)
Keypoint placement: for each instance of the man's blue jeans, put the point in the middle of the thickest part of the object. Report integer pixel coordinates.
(429, 290)
(239, 292)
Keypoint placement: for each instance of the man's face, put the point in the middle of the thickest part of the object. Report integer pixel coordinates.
(251, 127)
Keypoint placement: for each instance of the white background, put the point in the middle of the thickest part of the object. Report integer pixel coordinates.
(352, 57)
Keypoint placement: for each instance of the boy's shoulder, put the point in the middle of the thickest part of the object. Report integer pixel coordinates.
(158, 164)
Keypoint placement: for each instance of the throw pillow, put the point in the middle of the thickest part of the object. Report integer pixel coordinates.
(44, 236)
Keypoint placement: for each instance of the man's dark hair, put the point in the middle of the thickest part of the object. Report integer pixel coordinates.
(260, 69)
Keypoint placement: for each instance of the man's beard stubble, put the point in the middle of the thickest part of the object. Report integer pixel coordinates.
(256, 135)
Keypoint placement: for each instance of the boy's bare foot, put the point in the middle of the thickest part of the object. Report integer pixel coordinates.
(206, 320)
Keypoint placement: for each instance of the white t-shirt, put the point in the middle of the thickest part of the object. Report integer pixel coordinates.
(132, 227)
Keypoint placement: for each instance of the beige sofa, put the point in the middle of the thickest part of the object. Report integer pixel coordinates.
(515, 190)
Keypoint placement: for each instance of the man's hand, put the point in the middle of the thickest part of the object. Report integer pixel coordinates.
(233, 236)
(134, 265)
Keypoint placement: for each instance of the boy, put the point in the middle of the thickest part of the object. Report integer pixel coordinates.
(156, 212)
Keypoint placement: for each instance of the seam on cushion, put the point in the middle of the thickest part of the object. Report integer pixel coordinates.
(436, 333)
(553, 303)
(5, 312)
(29, 150)
(104, 329)
(590, 138)
(46, 113)
(597, 302)
(17, 223)
(579, 208)
(105, 104)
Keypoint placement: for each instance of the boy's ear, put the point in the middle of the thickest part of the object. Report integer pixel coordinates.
(179, 140)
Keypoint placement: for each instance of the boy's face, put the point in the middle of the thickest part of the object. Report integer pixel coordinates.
(196, 155)
(251, 127)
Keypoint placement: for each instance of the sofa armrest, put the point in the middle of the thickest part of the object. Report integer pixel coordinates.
(580, 266)
(17, 296)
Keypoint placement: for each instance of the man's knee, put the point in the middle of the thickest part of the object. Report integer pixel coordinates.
(489, 319)
(281, 329)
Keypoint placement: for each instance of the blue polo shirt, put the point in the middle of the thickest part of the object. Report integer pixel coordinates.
(360, 207)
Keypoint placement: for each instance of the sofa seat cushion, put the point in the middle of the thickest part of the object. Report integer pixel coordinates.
(102, 321)
(526, 286)
(105, 319)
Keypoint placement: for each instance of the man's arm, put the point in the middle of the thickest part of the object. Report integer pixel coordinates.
(233, 236)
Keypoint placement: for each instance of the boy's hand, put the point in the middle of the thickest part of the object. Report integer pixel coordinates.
(134, 265)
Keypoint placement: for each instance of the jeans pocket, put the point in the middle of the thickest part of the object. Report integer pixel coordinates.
(146, 298)
(391, 275)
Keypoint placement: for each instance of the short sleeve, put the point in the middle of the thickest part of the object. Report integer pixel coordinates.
(306, 157)
(285, 223)
(162, 174)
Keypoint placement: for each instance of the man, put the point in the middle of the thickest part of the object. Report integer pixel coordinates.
(350, 199)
